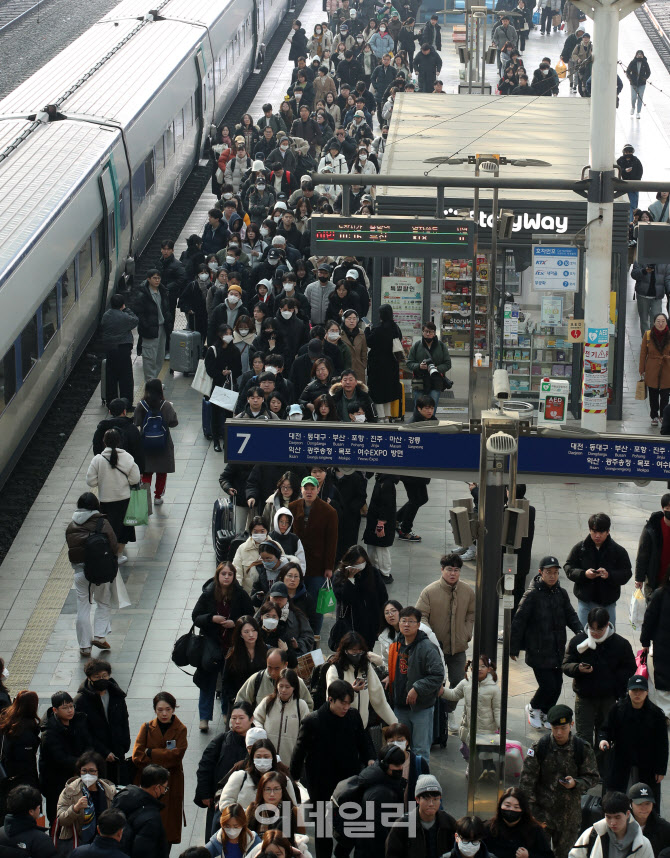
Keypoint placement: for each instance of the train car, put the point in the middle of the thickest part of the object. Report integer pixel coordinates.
(94, 148)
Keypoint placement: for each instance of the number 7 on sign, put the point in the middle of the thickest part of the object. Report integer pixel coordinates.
(245, 436)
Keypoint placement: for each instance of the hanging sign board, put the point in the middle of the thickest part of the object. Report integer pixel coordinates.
(555, 268)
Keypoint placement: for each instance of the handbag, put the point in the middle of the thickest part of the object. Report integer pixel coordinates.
(326, 601)
(641, 662)
(556, 19)
(137, 511)
(202, 382)
(398, 350)
(187, 649)
(341, 626)
(641, 390)
(224, 397)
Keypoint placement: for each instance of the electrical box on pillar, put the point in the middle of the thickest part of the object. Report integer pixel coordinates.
(460, 525)
(512, 531)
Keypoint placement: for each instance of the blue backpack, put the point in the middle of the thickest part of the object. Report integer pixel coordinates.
(154, 431)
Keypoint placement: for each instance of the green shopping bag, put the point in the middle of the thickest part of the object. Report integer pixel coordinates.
(326, 601)
(137, 512)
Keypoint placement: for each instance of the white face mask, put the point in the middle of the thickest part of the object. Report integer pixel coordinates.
(362, 157)
(359, 566)
(359, 418)
(227, 196)
(243, 331)
(276, 218)
(263, 764)
(5, 673)
(289, 286)
(545, 72)
(203, 276)
(333, 335)
(227, 339)
(468, 849)
(212, 266)
(283, 146)
(259, 537)
(89, 780)
(232, 833)
(264, 231)
(230, 260)
(286, 314)
(270, 623)
(401, 743)
(233, 299)
(272, 369)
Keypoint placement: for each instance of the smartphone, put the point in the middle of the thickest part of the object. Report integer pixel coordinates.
(564, 781)
(584, 664)
(171, 744)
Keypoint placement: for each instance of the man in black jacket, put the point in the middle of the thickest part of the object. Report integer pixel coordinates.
(173, 277)
(425, 830)
(539, 628)
(152, 307)
(104, 704)
(566, 55)
(632, 170)
(116, 335)
(654, 827)
(600, 662)
(382, 77)
(144, 835)
(131, 440)
(406, 41)
(308, 129)
(332, 745)
(599, 568)
(20, 835)
(637, 735)
(431, 34)
(427, 63)
(105, 844)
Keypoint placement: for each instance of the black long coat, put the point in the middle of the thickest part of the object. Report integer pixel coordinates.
(656, 628)
(383, 368)
(364, 595)
(539, 624)
(110, 733)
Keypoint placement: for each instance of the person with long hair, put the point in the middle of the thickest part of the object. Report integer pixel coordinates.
(488, 711)
(325, 409)
(162, 741)
(84, 797)
(247, 560)
(242, 783)
(246, 656)
(514, 832)
(222, 602)
(223, 365)
(353, 339)
(158, 460)
(287, 491)
(20, 739)
(272, 792)
(360, 591)
(654, 366)
(113, 472)
(294, 578)
(234, 839)
(383, 368)
(322, 375)
(281, 712)
(275, 845)
(351, 663)
(415, 765)
(85, 520)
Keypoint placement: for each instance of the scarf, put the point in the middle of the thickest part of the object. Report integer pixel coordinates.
(591, 642)
(660, 337)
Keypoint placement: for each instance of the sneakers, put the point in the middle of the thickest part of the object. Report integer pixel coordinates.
(534, 717)
(459, 550)
(204, 726)
(122, 559)
(158, 501)
(501, 636)
(409, 537)
(167, 355)
(545, 722)
(85, 651)
(654, 421)
(470, 553)
(101, 644)
(638, 115)
(632, 111)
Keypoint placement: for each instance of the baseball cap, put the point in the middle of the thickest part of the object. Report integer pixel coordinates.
(639, 682)
(639, 793)
(310, 481)
(324, 267)
(359, 113)
(240, 140)
(549, 561)
(305, 179)
(273, 253)
(279, 588)
(315, 348)
(279, 241)
(427, 783)
(352, 273)
(559, 714)
(253, 734)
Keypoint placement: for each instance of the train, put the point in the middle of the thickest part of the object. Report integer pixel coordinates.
(94, 148)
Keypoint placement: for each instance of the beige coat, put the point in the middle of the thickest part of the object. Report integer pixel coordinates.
(70, 819)
(450, 612)
(113, 484)
(654, 364)
(488, 708)
(282, 724)
(244, 557)
(359, 353)
(322, 86)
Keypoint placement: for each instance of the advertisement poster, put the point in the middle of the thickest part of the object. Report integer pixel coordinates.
(405, 295)
(594, 393)
(552, 310)
(511, 324)
(555, 268)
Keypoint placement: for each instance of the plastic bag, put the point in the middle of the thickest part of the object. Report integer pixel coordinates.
(561, 69)
(641, 662)
(326, 602)
(638, 605)
(137, 511)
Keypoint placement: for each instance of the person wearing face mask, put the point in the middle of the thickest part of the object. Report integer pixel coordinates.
(104, 704)
(193, 301)
(379, 143)
(638, 73)
(514, 832)
(356, 412)
(223, 365)
(318, 294)
(435, 829)
(283, 154)
(243, 337)
(415, 766)
(545, 80)
(291, 329)
(381, 42)
(351, 662)
(260, 199)
(360, 588)
(226, 313)
(247, 560)
(81, 802)
(233, 839)
(262, 683)
(293, 627)
(272, 560)
(280, 714)
(291, 292)
(144, 835)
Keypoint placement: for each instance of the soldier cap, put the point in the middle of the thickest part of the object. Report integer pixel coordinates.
(559, 714)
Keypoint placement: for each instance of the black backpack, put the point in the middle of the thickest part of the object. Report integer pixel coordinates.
(100, 562)
(317, 682)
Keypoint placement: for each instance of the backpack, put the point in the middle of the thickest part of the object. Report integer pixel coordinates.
(317, 683)
(100, 562)
(542, 749)
(154, 431)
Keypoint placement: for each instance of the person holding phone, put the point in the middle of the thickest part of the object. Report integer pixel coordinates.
(599, 661)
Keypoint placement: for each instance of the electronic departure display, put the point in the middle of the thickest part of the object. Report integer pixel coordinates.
(372, 235)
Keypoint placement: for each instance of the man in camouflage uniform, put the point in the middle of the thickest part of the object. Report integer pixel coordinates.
(557, 771)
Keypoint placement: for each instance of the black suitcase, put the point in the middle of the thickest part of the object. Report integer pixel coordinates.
(223, 516)
(440, 728)
(206, 418)
(592, 810)
(222, 545)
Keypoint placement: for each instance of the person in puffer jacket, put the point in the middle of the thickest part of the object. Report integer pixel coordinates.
(282, 534)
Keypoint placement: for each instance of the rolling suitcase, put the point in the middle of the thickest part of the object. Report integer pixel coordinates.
(185, 348)
(206, 418)
(440, 728)
(223, 517)
(222, 543)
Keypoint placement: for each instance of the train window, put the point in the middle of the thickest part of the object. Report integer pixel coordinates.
(111, 227)
(149, 171)
(159, 152)
(7, 378)
(138, 188)
(179, 127)
(100, 250)
(49, 317)
(28, 347)
(67, 291)
(85, 265)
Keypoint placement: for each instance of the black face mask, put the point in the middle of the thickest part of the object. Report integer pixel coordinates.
(100, 684)
(396, 775)
(666, 513)
(323, 279)
(511, 815)
(355, 658)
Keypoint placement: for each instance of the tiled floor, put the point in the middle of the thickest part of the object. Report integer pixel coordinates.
(173, 558)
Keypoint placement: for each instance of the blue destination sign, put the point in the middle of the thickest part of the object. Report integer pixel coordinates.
(616, 457)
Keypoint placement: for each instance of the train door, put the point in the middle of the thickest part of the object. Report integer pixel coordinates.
(259, 25)
(109, 237)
